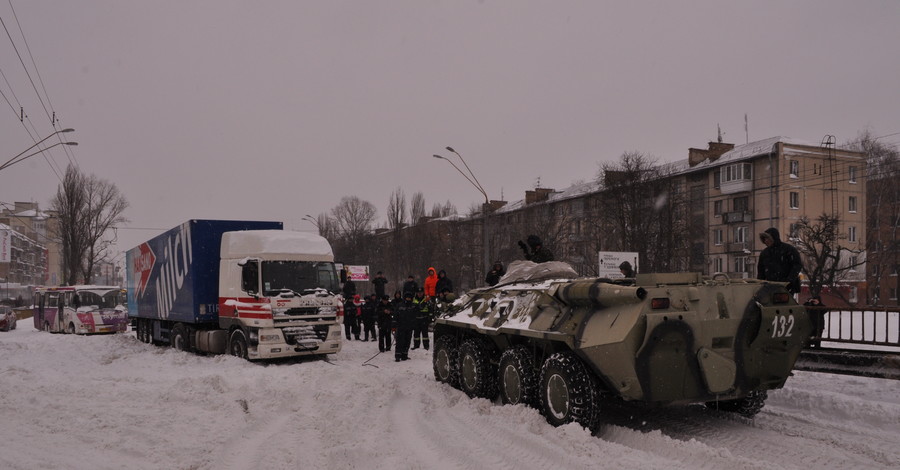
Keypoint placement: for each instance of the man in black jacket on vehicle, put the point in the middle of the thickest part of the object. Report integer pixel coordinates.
(779, 261)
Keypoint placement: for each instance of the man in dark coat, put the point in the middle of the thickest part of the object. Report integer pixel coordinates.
(494, 275)
(385, 319)
(379, 283)
(444, 284)
(404, 322)
(538, 253)
(779, 261)
(350, 325)
(369, 317)
(410, 286)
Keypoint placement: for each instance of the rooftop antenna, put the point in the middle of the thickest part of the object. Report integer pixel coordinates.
(720, 132)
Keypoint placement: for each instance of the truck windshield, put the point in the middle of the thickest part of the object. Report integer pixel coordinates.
(298, 276)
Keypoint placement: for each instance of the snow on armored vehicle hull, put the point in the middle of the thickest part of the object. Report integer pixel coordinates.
(544, 338)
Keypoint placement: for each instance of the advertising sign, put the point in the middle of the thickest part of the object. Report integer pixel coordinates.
(610, 261)
(357, 273)
(5, 246)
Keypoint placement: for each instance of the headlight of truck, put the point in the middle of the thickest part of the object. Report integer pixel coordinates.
(279, 311)
(269, 338)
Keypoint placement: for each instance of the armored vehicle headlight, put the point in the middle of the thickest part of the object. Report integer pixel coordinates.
(781, 298)
(659, 303)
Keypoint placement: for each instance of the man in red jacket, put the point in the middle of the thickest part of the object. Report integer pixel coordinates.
(431, 284)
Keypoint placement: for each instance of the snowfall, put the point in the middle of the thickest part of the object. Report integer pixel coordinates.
(111, 402)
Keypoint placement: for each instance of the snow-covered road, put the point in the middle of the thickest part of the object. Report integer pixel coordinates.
(75, 402)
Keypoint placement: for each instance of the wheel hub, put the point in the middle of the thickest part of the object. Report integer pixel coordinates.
(558, 396)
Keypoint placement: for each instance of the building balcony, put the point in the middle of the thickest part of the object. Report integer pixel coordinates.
(739, 247)
(736, 217)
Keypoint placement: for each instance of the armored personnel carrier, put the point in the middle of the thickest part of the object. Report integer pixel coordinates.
(546, 338)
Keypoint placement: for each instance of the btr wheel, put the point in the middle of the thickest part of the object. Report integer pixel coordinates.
(747, 407)
(518, 381)
(477, 376)
(178, 338)
(445, 360)
(237, 344)
(568, 392)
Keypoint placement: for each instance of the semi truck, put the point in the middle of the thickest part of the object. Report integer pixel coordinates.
(248, 288)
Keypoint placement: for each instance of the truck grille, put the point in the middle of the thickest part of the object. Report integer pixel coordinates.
(305, 314)
(295, 335)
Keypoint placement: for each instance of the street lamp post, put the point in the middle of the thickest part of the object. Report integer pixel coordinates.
(485, 208)
(311, 220)
(14, 160)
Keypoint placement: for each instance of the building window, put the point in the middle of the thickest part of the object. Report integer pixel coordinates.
(854, 262)
(717, 179)
(740, 264)
(717, 236)
(717, 208)
(852, 204)
(794, 231)
(893, 293)
(795, 200)
(717, 265)
(741, 204)
(851, 234)
(737, 172)
(795, 169)
(853, 295)
(852, 176)
(740, 234)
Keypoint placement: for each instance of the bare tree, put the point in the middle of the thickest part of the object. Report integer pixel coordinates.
(87, 207)
(417, 207)
(443, 210)
(353, 217)
(825, 260)
(396, 210)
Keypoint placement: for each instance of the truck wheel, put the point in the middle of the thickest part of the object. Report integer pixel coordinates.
(71, 328)
(446, 361)
(517, 377)
(747, 407)
(141, 330)
(477, 377)
(178, 338)
(568, 392)
(237, 344)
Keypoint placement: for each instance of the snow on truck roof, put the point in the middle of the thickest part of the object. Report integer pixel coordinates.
(275, 244)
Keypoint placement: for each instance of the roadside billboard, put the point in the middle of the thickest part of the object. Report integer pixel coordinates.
(610, 261)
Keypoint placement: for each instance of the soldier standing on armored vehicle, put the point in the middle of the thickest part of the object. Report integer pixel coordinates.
(494, 275)
(779, 261)
(538, 253)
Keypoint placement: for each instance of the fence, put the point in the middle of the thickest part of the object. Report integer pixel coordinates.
(870, 326)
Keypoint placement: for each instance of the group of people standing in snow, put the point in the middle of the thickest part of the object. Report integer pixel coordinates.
(403, 319)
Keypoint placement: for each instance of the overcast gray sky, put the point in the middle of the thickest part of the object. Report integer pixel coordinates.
(272, 110)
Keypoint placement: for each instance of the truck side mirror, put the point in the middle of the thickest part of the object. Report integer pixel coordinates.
(250, 277)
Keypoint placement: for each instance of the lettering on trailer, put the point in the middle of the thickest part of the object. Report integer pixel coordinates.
(173, 269)
(143, 267)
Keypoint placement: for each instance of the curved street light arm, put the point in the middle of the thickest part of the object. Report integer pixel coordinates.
(464, 175)
(476, 183)
(13, 160)
(10, 161)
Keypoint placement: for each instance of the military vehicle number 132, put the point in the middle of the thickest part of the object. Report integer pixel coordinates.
(782, 326)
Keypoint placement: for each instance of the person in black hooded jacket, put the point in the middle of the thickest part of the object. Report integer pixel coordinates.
(779, 261)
